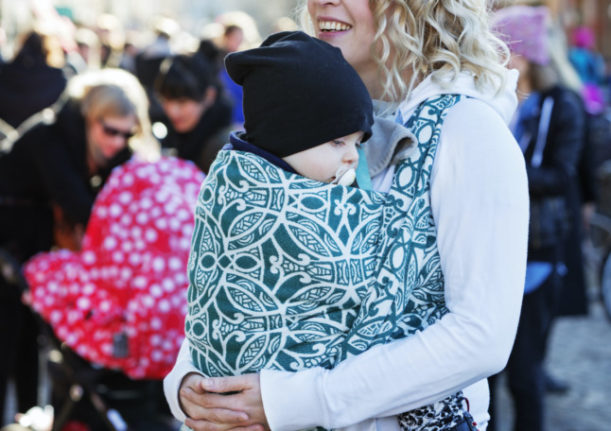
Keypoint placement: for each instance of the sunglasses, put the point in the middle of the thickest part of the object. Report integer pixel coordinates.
(111, 131)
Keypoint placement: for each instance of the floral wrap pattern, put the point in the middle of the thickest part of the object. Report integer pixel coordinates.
(289, 273)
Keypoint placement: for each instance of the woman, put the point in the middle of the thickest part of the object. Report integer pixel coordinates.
(48, 182)
(479, 204)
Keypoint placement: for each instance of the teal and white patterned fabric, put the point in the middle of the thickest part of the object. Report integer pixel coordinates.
(289, 273)
(277, 267)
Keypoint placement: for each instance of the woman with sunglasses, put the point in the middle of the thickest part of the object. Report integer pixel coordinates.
(48, 182)
(58, 166)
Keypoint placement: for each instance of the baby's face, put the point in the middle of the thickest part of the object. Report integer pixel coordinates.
(324, 161)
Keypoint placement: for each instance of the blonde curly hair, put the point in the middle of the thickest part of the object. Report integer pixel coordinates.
(417, 38)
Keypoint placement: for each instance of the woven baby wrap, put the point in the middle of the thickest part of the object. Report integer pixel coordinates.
(289, 273)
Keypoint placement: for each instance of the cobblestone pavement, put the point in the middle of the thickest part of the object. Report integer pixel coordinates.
(580, 354)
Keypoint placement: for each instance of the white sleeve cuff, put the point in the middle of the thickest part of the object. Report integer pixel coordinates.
(171, 382)
(279, 405)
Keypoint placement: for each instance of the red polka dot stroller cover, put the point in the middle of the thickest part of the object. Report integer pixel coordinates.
(121, 301)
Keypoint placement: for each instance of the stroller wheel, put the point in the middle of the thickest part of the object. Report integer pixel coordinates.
(605, 285)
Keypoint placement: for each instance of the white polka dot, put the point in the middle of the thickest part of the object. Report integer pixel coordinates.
(155, 340)
(187, 230)
(126, 273)
(161, 223)
(118, 257)
(136, 232)
(183, 215)
(142, 218)
(83, 303)
(125, 197)
(146, 203)
(89, 289)
(89, 257)
(82, 350)
(156, 323)
(180, 278)
(150, 235)
(156, 291)
(115, 210)
(128, 179)
(168, 285)
(158, 264)
(164, 306)
(175, 264)
(55, 316)
(148, 302)
(140, 282)
(110, 243)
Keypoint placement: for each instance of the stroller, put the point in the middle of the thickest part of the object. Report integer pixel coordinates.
(89, 397)
(600, 232)
(113, 312)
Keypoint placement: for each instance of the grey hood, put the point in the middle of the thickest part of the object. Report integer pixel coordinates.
(389, 136)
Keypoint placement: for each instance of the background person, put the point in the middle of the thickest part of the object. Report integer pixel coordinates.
(550, 129)
(198, 113)
(33, 80)
(48, 183)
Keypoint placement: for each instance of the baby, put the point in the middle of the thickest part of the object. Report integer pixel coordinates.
(282, 249)
(303, 104)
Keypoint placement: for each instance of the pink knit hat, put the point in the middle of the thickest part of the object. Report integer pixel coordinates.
(583, 37)
(524, 30)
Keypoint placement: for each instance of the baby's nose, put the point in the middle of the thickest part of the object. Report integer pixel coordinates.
(351, 156)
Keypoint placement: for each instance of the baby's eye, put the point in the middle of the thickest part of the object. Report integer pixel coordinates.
(338, 142)
(358, 145)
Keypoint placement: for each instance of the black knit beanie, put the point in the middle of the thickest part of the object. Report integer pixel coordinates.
(299, 92)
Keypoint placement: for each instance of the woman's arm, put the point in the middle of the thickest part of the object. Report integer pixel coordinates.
(480, 205)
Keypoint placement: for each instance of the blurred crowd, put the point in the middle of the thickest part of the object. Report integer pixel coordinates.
(78, 101)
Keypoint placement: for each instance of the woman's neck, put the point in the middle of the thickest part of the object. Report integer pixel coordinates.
(372, 80)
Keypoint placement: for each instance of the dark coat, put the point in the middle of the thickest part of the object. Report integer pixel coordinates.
(201, 144)
(47, 166)
(558, 176)
(26, 88)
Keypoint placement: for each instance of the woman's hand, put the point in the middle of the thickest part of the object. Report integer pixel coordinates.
(224, 403)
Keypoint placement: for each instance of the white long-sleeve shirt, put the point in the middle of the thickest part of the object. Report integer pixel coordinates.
(479, 200)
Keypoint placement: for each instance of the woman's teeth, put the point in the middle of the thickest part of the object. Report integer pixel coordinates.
(333, 26)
